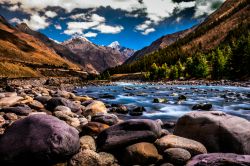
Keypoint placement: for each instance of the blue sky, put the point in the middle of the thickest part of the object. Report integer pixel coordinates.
(133, 23)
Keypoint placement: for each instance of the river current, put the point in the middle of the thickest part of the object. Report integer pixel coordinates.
(229, 99)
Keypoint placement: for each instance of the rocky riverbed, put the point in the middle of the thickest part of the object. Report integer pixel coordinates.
(47, 126)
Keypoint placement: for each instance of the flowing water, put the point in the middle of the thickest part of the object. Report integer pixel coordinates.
(232, 100)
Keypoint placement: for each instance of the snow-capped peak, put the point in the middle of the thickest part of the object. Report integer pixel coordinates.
(115, 45)
(78, 38)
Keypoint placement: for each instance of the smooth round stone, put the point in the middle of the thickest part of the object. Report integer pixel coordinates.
(88, 142)
(93, 128)
(109, 119)
(176, 156)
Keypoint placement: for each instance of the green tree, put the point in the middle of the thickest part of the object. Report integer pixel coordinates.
(174, 72)
(200, 66)
(218, 64)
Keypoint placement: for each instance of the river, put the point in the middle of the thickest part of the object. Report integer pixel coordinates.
(229, 99)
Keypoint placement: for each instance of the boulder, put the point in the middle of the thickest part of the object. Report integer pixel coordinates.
(159, 100)
(128, 133)
(68, 118)
(93, 128)
(205, 106)
(62, 108)
(38, 140)
(176, 156)
(172, 141)
(220, 159)
(87, 142)
(136, 111)
(141, 154)
(10, 116)
(82, 98)
(90, 158)
(94, 108)
(19, 110)
(56, 101)
(109, 119)
(36, 105)
(43, 99)
(9, 101)
(218, 131)
(182, 97)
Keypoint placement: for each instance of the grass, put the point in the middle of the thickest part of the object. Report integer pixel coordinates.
(16, 70)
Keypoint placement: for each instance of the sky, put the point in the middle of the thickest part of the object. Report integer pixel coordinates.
(133, 23)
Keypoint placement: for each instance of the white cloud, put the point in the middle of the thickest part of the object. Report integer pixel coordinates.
(147, 31)
(50, 14)
(108, 29)
(15, 20)
(143, 26)
(156, 10)
(36, 22)
(13, 8)
(58, 27)
(204, 7)
(90, 34)
(97, 18)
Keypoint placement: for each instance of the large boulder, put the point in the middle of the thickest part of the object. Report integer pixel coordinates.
(19, 110)
(220, 159)
(172, 141)
(38, 140)
(109, 119)
(141, 154)
(128, 133)
(95, 108)
(59, 101)
(218, 131)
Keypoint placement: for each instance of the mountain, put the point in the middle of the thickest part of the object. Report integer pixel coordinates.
(207, 35)
(93, 56)
(81, 51)
(127, 52)
(160, 43)
(23, 55)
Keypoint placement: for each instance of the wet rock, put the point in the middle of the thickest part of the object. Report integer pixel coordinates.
(96, 107)
(10, 116)
(220, 159)
(172, 141)
(36, 105)
(55, 141)
(159, 100)
(121, 109)
(205, 106)
(176, 156)
(88, 142)
(213, 127)
(137, 111)
(93, 128)
(59, 101)
(64, 94)
(9, 101)
(43, 99)
(141, 154)
(182, 97)
(128, 133)
(19, 110)
(109, 119)
(107, 96)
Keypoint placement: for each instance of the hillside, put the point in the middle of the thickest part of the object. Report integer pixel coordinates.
(160, 43)
(222, 39)
(21, 55)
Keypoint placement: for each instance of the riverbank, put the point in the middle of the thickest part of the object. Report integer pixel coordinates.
(45, 126)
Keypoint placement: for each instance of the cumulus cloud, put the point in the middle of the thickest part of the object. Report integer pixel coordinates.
(108, 29)
(50, 14)
(147, 31)
(36, 22)
(90, 34)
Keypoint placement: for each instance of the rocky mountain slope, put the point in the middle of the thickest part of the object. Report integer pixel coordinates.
(207, 35)
(79, 50)
(23, 55)
(127, 52)
(94, 56)
(160, 43)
